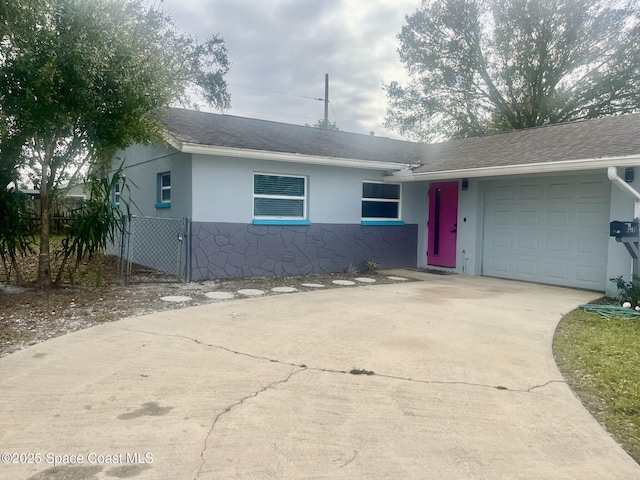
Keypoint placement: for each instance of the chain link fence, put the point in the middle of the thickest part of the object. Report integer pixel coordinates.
(153, 250)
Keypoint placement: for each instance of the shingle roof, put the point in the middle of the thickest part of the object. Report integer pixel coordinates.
(588, 139)
(189, 126)
(603, 137)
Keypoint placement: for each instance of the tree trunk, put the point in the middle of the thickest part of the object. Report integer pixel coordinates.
(7, 273)
(16, 268)
(58, 280)
(44, 260)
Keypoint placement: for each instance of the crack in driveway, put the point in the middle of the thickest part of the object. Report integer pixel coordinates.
(298, 368)
(231, 407)
(330, 370)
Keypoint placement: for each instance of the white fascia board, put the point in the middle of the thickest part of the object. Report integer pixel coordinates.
(173, 141)
(282, 157)
(531, 168)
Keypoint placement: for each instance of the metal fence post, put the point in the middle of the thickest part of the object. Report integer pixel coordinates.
(121, 274)
(187, 250)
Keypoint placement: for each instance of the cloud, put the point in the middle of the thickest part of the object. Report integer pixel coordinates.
(287, 46)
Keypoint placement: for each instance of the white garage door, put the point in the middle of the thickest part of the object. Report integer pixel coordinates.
(548, 229)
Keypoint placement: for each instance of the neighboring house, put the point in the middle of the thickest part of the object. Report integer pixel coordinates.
(75, 191)
(267, 198)
(70, 198)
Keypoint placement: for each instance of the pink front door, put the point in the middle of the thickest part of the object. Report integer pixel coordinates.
(443, 224)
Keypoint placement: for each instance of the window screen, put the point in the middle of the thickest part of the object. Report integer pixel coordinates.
(380, 201)
(279, 196)
(387, 191)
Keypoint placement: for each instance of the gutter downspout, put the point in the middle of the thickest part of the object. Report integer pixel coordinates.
(632, 247)
(612, 173)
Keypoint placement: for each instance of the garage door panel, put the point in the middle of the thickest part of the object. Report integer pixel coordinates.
(528, 217)
(526, 267)
(560, 237)
(596, 190)
(591, 246)
(557, 219)
(557, 271)
(530, 191)
(557, 244)
(527, 242)
(592, 219)
(500, 242)
(588, 274)
(500, 265)
(502, 217)
(502, 192)
(559, 191)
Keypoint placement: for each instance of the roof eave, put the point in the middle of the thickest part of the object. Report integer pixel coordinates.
(282, 156)
(531, 168)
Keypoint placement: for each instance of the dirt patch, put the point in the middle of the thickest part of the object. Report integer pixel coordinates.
(29, 316)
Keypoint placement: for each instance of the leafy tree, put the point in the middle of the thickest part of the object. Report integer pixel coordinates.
(79, 79)
(483, 66)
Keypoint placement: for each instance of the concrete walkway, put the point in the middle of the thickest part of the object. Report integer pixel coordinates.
(464, 386)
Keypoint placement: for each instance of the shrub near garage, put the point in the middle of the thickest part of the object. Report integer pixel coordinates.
(628, 291)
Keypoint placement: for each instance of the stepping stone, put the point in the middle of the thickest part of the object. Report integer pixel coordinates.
(284, 289)
(251, 292)
(219, 295)
(398, 279)
(365, 280)
(343, 282)
(176, 298)
(312, 285)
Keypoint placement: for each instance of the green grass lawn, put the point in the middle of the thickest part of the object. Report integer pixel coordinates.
(600, 359)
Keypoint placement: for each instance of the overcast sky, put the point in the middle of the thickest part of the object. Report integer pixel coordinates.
(287, 46)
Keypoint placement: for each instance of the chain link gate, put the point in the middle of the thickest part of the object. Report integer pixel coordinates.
(154, 250)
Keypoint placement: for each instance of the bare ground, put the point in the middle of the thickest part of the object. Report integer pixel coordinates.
(29, 315)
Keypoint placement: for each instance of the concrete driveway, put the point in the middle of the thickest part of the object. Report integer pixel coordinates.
(464, 387)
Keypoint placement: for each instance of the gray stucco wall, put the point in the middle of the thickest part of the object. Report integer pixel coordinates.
(220, 250)
(142, 166)
(223, 190)
(225, 243)
(217, 194)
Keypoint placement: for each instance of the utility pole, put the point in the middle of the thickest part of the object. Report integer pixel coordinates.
(326, 100)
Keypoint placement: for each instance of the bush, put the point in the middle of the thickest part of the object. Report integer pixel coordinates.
(629, 291)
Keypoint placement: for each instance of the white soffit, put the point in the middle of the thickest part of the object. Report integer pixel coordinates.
(281, 156)
(531, 168)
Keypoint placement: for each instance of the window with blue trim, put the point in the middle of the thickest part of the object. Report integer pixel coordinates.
(164, 187)
(380, 201)
(279, 197)
(116, 195)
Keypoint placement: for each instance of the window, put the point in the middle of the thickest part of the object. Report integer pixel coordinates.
(380, 201)
(279, 196)
(116, 194)
(164, 187)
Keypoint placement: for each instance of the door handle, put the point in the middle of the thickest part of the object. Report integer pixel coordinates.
(455, 230)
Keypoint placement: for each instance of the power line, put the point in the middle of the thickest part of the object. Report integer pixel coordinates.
(334, 112)
(280, 93)
(275, 91)
(271, 113)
